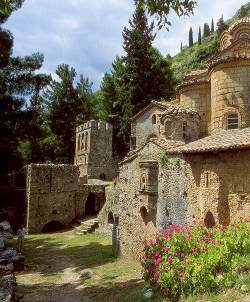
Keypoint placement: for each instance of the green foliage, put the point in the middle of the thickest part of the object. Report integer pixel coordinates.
(161, 9)
(199, 36)
(221, 25)
(194, 259)
(194, 57)
(206, 30)
(7, 7)
(212, 26)
(141, 75)
(190, 37)
(68, 107)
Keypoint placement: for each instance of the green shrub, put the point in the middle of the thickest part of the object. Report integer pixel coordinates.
(195, 259)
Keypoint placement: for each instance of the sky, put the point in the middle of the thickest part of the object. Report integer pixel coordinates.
(87, 35)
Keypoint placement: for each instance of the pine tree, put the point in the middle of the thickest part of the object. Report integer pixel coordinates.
(221, 25)
(212, 26)
(181, 46)
(199, 36)
(190, 37)
(206, 30)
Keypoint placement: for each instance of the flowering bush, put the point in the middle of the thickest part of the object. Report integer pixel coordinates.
(194, 258)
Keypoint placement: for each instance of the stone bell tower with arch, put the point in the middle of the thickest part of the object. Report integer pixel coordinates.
(93, 151)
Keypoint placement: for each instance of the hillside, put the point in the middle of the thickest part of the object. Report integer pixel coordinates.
(195, 57)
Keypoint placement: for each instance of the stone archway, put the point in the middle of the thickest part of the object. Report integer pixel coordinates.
(52, 226)
(92, 205)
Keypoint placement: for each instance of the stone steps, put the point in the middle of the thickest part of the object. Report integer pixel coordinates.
(86, 226)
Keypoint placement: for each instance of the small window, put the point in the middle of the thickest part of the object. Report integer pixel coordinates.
(244, 35)
(184, 130)
(153, 119)
(143, 183)
(110, 218)
(79, 143)
(206, 179)
(86, 141)
(82, 145)
(232, 121)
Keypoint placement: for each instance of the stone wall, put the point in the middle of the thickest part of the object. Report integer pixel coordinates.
(145, 127)
(210, 186)
(230, 94)
(51, 195)
(198, 97)
(219, 184)
(94, 154)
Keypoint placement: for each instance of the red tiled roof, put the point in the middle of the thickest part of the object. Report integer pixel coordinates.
(222, 140)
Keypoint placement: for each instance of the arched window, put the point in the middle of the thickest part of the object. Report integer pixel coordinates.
(232, 121)
(86, 141)
(143, 183)
(153, 119)
(244, 35)
(168, 128)
(110, 218)
(79, 143)
(82, 145)
(184, 130)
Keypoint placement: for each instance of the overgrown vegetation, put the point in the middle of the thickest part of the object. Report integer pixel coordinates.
(194, 259)
(196, 55)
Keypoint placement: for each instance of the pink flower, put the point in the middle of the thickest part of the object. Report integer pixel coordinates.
(165, 249)
(164, 270)
(158, 261)
(222, 229)
(181, 274)
(170, 259)
(155, 276)
(213, 241)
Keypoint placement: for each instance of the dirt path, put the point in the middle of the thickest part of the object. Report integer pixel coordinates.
(55, 263)
(66, 287)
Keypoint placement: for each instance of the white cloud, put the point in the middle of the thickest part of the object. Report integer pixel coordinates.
(88, 34)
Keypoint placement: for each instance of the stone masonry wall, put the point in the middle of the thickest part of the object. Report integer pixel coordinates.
(230, 94)
(198, 97)
(94, 154)
(219, 183)
(51, 195)
(144, 126)
(189, 187)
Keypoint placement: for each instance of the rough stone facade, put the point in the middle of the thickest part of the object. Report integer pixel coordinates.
(93, 154)
(190, 158)
(58, 194)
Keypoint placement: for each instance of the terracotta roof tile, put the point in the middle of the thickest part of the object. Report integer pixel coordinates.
(222, 140)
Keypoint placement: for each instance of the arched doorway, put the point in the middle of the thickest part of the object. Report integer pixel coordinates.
(209, 220)
(92, 205)
(52, 226)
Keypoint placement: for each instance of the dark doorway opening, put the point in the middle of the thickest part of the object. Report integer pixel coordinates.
(209, 220)
(102, 176)
(52, 226)
(92, 206)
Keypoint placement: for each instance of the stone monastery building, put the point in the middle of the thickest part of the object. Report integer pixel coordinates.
(189, 159)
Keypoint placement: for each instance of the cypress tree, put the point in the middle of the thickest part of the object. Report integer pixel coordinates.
(212, 26)
(206, 30)
(199, 36)
(221, 25)
(191, 39)
(181, 46)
